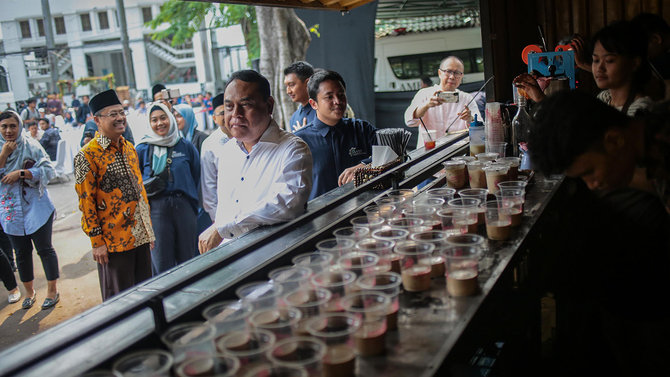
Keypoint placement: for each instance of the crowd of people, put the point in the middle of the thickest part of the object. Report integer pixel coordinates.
(152, 202)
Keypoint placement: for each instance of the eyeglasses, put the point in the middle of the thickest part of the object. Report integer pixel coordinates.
(222, 113)
(449, 72)
(115, 114)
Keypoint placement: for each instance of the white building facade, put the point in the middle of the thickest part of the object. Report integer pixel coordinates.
(87, 38)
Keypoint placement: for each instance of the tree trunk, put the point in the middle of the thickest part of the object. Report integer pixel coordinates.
(284, 39)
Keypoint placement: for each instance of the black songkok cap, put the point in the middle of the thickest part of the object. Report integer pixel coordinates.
(102, 100)
(157, 88)
(217, 101)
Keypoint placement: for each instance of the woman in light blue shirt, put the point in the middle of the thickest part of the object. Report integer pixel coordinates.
(26, 210)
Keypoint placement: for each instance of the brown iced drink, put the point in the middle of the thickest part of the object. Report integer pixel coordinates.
(392, 318)
(476, 149)
(237, 341)
(437, 266)
(371, 342)
(266, 317)
(498, 230)
(433, 224)
(516, 214)
(201, 367)
(462, 283)
(477, 178)
(416, 278)
(495, 175)
(455, 173)
(339, 361)
(395, 263)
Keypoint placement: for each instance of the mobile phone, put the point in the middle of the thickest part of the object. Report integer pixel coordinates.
(167, 94)
(449, 97)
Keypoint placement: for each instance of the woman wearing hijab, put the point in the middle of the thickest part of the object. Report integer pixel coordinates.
(26, 210)
(163, 153)
(187, 125)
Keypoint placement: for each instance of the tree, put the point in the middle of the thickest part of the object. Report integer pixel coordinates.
(276, 35)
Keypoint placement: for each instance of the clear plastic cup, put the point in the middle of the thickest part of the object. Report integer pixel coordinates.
(439, 240)
(383, 210)
(462, 270)
(498, 221)
(407, 223)
(338, 281)
(339, 246)
(337, 331)
(249, 347)
(425, 213)
(398, 202)
(511, 200)
(408, 194)
(428, 201)
(314, 261)
(468, 204)
(455, 221)
(260, 294)
(476, 175)
(389, 284)
(476, 193)
(189, 340)
(209, 366)
(495, 173)
(360, 262)
(371, 309)
(415, 264)
(496, 147)
(456, 174)
(486, 157)
(283, 322)
(513, 184)
(227, 316)
(372, 212)
(513, 162)
(291, 277)
(465, 159)
(269, 370)
(365, 222)
(299, 351)
(152, 362)
(311, 302)
(102, 373)
(350, 233)
(383, 247)
(467, 240)
(444, 193)
(390, 234)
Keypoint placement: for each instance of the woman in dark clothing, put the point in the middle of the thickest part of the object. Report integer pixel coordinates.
(188, 126)
(163, 153)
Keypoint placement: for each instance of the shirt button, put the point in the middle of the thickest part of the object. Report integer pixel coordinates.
(247, 157)
(242, 178)
(232, 235)
(237, 201)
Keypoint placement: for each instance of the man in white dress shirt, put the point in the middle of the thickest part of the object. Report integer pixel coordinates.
(265, 173)
(209, 158)
(437, 114)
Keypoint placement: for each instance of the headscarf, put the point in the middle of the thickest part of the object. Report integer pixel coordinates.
(29, 148)
(161, 143)
(190, 124)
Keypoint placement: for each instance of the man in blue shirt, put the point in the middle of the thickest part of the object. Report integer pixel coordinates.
(50, 138)
(296, 77)
(338, 144)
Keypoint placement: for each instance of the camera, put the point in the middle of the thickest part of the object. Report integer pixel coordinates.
(449, 97)
(168, 94)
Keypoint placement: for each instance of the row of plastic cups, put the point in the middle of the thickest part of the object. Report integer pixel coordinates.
(484, 172)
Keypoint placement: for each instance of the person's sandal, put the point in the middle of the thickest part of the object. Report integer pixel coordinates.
(29, 302)
(50, 302)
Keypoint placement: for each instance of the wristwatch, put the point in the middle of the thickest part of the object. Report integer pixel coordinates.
(22, 173)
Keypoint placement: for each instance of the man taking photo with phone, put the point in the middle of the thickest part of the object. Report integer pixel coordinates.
(443, 105)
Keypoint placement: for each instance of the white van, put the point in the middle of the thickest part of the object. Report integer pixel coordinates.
(401, 61)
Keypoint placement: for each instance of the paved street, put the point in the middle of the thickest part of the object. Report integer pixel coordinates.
(78, 283)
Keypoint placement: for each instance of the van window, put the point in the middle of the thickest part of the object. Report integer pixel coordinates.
(418, 65)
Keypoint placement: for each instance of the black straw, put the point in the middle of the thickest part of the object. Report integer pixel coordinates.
(424, 127)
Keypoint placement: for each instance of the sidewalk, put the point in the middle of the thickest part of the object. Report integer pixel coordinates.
(78, 284)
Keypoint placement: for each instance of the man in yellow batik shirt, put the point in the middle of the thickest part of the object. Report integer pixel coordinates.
(112, 199)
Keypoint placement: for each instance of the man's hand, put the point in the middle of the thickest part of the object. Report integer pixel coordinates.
(530, 85)
(298, 126)
(12, 177)
(466, 115)
(209, 239)
(100, 254)
(348, 175)
(435, 100)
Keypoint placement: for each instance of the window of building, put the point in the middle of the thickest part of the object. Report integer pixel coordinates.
(60, 25)
(85, 22)
(104, 21)
(40, 27)
(4, 87)
(146, 14)
(25, 29)
(415, 66)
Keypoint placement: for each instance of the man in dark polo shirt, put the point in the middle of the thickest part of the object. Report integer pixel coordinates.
(338, 145)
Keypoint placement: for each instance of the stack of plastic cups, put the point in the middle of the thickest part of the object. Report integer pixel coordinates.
(389, 284)
(415, 268)
(337, 331)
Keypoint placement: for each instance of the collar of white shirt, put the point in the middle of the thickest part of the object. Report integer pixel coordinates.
(271, 135)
